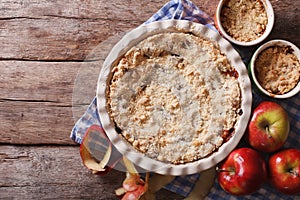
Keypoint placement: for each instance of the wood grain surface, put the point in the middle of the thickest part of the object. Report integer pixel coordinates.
(50, 56)
(54, 172)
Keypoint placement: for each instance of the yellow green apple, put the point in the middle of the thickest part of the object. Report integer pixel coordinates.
(269, 127)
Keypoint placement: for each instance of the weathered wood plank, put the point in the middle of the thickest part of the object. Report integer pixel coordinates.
(287, 21)
(47, 81)
(55, 38)
(38, 81)
(40, 101)
(35, 123)
(53, 81)
(67, 30)
(119, 10)
(95, 9)
(54, 173)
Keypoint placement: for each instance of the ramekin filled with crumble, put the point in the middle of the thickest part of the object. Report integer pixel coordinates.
(244, 22)
(275, 69)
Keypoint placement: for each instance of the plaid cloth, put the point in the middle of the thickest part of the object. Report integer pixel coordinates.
(183, 185)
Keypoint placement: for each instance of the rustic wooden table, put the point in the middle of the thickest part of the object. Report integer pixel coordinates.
(50, 55)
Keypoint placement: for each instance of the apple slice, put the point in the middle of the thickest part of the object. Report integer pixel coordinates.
(96, 151)
(129, 166)
(133, 186)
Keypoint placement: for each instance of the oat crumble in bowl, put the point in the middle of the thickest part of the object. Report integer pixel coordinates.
(244, 22)
(275, 69)
(173, 102)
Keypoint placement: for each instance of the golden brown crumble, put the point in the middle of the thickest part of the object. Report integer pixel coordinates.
(277, 69)
(173, 95)
(244, 20)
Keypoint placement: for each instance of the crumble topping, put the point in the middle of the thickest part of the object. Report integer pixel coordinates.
(244, 20)
(277, 69)
(174, 97)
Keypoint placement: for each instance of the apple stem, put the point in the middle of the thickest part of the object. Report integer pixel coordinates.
(294, 173)
(267, 128)
(222, 170)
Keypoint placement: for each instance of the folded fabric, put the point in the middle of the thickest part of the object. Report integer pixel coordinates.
(186, 10)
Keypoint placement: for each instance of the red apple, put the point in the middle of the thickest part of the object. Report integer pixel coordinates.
(269, 127)
(284, 167)
(242, 172)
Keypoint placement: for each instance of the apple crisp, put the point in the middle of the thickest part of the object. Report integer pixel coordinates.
(174, 97)
(244, 20)
(277, 69)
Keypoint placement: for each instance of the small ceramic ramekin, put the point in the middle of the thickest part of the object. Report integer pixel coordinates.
(270, 16)
(295, 51)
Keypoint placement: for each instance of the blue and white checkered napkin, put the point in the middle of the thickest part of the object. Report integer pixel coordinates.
(183, 185)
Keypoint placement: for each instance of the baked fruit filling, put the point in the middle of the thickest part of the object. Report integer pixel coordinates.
(174, 97)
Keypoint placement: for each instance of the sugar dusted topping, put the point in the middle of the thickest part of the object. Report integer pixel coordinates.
(174, 98)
